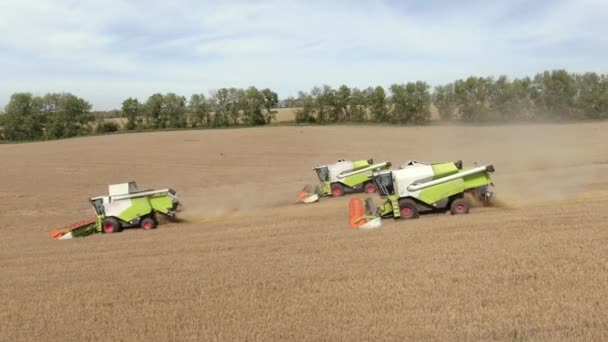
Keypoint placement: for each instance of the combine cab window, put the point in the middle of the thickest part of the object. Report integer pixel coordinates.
(98, 205)
(323, 173)
(385, 184)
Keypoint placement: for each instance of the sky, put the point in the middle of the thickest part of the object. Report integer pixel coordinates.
(106, 51)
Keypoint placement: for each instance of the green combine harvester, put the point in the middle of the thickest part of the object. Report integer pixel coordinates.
(125, 207)
(344, 176)
(418, 187)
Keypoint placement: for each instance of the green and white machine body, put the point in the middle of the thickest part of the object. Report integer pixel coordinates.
(417, 187)
(127, 206)
(344, 176)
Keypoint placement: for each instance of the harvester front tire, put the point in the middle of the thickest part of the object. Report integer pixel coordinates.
(337, 190)
(110, 225)
(408, 209)
(148, 223)
(460, 206)
(369, 188)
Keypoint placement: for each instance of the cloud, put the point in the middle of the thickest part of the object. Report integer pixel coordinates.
(108, 50)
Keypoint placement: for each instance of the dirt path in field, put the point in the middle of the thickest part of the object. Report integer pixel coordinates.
(247, 262)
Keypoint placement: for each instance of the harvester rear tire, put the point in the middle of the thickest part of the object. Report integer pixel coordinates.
(148, 223)
(337, 190)
(460, 206)
(408, 209)
(369, 188)
(110, 225)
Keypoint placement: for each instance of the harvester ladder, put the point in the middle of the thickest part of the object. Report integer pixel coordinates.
(396, 209)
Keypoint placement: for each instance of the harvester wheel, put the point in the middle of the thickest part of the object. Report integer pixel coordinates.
(148, 223)
(110, 225)
(459, 206)
(369, 188)
(337, 190)
(408, 209)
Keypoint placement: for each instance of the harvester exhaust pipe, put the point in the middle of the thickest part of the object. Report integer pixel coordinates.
(365, 169)
(416, 187)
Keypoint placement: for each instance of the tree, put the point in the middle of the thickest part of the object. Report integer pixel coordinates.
(152, 111)
(71, 116)
(342, 103)
(420, 100)
(509, 100)
(270, 99)
(20, 104)
(410, 103)
(377, 103)
(305, 114)
(359, 103)
(236, 102)
(200, 111)
(131, 109)
(22, 120)
(593, 95)
(291, 102)
(398, 101)
(223, 105)
(252, 108)
(324, 100)
(556, 94)
(445, 101)
(501, 99)
(523, 106)
(472, 98)
(218, 100)
(174, 111)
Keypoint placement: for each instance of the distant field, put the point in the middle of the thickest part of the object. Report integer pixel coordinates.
(247, 263)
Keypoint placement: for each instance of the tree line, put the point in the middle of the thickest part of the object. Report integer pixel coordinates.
(55, 116)
(223, 108)
(551, 95)
(52, 116)
(404, 104)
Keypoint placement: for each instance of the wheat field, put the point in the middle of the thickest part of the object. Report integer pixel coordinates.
(246, 262)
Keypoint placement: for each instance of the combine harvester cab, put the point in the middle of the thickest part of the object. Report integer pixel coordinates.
(125, 206)
(342, 177)
(418, 187)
